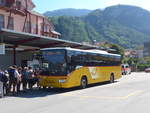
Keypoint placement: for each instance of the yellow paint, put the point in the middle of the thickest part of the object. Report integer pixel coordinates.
(93, 74)
(133, 94)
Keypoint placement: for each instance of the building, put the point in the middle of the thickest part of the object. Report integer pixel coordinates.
(146, 49)
(131, 53)
(140, 53)
(23, 32)
(17, 15)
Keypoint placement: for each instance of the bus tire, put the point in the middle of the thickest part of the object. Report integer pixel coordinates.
(83, 83)
(112, 78)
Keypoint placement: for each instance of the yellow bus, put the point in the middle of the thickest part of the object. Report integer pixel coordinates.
(68, 67)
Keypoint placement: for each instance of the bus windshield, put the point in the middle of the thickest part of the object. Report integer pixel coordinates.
(53, 62)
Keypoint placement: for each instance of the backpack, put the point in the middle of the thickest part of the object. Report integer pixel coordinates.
(24, 74)
(11, 73)
(3, 77)
(30, 75)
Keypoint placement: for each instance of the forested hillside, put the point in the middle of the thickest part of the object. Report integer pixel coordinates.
(128, 26)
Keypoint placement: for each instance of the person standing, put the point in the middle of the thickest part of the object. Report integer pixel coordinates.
(36, 78)
(12, 80)
(25, 78)
(19, 79)
(4, 80)
(13, 76)
(30, 77)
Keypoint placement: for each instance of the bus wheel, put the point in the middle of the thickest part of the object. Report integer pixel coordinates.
(83, 83)
(112, 78)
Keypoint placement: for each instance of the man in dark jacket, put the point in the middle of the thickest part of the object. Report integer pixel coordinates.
(12, 78)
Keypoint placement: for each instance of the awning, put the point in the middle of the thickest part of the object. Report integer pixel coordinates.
(27, 39)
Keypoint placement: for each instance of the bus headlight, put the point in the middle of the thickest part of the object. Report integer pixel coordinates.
(62, 81)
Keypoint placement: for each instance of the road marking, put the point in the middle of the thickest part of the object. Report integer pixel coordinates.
(132, 94)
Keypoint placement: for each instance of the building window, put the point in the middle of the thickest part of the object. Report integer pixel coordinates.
(27, 27)
(18, 5)
(1, 21)
(45, 27)
(2, 2)
(11, 23)
(35, 27)
(9, 3)
(42, 27)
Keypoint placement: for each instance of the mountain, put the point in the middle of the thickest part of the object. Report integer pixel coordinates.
(130, 16)
(128, 26)
(68, 12)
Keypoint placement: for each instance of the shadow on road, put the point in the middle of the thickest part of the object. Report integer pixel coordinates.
(35, 93)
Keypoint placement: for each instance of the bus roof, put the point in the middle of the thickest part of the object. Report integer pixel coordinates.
(90, 51)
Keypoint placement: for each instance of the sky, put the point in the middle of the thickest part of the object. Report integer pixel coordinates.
(49, 5)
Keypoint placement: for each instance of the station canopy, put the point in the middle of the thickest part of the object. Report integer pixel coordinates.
(17, 39)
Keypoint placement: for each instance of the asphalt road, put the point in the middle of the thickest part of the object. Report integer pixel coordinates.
(130, 94)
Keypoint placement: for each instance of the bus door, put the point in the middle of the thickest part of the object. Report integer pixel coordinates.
(75, 74)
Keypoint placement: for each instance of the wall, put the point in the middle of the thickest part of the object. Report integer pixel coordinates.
(19, 21)
(7, 59)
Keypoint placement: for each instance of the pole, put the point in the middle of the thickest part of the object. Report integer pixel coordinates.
(14, 55)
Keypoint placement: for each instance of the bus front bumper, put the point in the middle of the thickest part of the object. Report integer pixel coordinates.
(55, 83)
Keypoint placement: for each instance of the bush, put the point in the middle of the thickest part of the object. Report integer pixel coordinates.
(142, 67)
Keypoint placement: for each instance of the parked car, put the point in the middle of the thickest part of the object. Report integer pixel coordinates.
(125, 69)
(147, 70)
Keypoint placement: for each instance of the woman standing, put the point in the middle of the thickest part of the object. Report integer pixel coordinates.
(19, 78)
